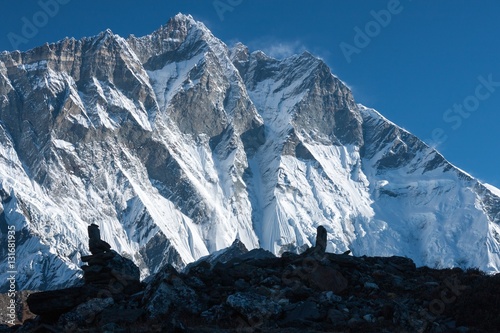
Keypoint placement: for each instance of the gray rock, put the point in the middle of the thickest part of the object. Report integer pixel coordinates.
(114, 315)
(355, 322)
(256, 254)
(303, 311)
(253, 305)
(329, 297)
(56, 302)
(337, 317)
(85, 313)
(327, 279)
(124, 269)
(369, 318)
(167, 292)
(236, 250)
(371, 285)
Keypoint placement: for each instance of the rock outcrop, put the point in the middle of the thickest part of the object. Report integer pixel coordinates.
(108, 269)
(311, 292)
(108, 277)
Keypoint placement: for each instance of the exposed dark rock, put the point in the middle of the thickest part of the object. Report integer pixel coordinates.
(114, 315)
(326, 278)
(167, 293)
(51, 304)
(253, 305)
(113, 271)
(84, 313)
(108, 277)
(303, 311)
(321, 240)
(255, 254)
(108, 269)
(96, 244)
(257, 292)
(236, 250)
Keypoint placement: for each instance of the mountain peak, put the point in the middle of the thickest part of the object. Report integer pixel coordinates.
(184, 17)
(239, 53)
(182, 22)
(176, 146)
(103, 37)
(107, 32)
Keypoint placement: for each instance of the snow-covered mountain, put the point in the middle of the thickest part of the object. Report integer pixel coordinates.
(176, 145)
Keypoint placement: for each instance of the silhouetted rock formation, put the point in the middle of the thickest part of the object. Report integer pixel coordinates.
(107, 269)
(107, 276)
(96, 244)
(51, 304)
(254, 291)
(321, 239)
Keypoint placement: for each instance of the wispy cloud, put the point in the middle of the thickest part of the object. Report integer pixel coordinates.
(276, 48)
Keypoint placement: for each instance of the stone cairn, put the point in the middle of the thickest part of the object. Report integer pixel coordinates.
(321, 239)
(107, 274)
(106, 268)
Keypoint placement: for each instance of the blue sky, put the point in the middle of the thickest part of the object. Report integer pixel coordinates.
(430, 66)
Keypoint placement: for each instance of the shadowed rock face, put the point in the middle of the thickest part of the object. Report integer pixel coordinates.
(106, 267)
(311, 292)
(107, 276)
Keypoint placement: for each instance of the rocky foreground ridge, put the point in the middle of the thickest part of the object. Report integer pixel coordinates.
(236, 290)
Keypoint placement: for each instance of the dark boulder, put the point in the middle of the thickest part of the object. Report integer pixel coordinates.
(51, 304)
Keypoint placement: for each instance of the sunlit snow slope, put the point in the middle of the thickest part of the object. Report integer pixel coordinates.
(175, 146)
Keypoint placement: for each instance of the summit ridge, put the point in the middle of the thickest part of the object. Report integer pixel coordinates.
(176, 145)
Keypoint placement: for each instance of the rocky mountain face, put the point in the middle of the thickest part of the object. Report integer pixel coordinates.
(176, 145)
